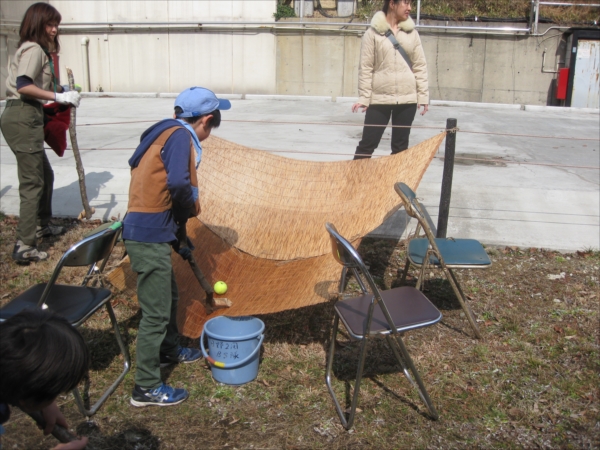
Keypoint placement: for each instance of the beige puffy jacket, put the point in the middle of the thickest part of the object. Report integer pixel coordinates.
(384, 77)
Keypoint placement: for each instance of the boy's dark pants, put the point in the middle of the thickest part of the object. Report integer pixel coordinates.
(22, 125)
(158, 296)
(380, 115)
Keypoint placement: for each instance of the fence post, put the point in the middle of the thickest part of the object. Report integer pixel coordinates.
(444, 210)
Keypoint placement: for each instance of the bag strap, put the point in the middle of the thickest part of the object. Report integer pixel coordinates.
(51, 62)
(398, 47)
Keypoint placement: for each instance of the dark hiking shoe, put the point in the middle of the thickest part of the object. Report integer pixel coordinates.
(49, 230)
(26, 253)
(161, 396)
(186, 356)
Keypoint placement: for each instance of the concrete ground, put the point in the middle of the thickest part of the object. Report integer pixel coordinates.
(539, 190)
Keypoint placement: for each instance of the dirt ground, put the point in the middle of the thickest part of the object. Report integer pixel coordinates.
(531, 382)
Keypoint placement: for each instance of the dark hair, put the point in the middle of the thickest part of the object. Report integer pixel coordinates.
(386, 4)
(41, 356)
(33, 26)
(212, 123)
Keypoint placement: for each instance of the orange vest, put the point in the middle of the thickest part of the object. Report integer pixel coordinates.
(148, 189)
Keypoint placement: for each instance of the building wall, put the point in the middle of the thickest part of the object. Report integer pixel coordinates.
(461, 66)
(464, 67)
(160, 60)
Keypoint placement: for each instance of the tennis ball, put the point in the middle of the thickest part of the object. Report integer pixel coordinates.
(220, 287)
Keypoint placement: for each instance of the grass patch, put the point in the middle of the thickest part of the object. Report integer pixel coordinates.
(492, 9)
(532, 382)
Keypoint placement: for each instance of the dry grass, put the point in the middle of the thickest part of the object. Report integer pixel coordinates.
(503, 9)
(532, 382)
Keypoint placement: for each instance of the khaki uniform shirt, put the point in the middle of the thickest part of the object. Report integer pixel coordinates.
(31, 61)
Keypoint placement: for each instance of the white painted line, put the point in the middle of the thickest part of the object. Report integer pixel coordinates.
(288, 97)
(475, 105)
(561, 109)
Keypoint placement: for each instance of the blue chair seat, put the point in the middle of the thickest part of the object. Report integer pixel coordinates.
(453, 253)
(457, 253)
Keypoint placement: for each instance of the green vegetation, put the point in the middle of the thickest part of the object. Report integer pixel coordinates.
(284, 10)
(493, 9)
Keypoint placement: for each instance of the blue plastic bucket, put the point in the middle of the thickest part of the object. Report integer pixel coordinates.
(233, 348)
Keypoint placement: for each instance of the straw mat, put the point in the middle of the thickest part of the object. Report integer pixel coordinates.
(255, 285)
(274, 207)
(261, 229)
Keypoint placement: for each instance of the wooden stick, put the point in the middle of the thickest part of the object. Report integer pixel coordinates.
(210, 303)
(78, 164)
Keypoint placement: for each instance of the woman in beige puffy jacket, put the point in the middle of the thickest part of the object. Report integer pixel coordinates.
(387, 84)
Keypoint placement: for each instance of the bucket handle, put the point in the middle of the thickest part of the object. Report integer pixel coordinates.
(222, 365)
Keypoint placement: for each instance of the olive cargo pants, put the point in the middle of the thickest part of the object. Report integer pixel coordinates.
(158, 296)
(22, 125)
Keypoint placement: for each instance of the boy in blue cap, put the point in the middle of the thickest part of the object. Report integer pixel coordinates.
(163, 194)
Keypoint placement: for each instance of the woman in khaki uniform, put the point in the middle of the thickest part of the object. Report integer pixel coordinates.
(390, 83)
(30, 83)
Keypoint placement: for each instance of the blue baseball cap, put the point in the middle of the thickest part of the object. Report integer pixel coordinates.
(198, 101)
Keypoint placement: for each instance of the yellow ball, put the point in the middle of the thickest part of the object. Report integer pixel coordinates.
(220, 287)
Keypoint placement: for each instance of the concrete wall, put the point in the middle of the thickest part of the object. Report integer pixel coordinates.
(462, 67)
(10, 11)
(161, 60)
(491, 69)
(317, 64)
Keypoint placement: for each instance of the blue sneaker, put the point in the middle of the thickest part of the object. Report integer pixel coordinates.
(186, 356)
(161, 396)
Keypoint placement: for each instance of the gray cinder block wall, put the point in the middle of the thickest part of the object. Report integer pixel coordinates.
(462, 66)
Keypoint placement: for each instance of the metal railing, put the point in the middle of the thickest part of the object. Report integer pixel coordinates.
(534, 17)
(304, 25)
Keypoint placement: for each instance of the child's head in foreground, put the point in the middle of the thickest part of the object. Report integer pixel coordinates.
(41, 356)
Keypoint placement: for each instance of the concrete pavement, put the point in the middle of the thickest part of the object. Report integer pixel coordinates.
(525, 191)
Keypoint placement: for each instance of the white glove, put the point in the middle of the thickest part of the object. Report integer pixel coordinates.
(68, 98)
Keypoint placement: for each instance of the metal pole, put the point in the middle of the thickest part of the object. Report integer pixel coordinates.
(537, 16)
(418, 12)
(86, 63)
(444, 210)
(302, 9)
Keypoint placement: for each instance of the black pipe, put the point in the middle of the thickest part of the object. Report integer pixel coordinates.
(444, 210)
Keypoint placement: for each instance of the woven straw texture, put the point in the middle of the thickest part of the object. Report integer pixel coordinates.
(274, 207)
(261, 229)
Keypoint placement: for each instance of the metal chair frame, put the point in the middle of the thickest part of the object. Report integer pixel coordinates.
(433, 257)
(93, 249)
(349, 258)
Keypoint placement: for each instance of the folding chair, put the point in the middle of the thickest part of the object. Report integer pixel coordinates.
(443, 253)
(78, 303)
(387, 313)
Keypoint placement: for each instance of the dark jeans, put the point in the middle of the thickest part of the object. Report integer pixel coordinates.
(380, 115)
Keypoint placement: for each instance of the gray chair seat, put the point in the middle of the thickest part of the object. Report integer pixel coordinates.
(457, 253)
(386, 313)
(408, 307)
